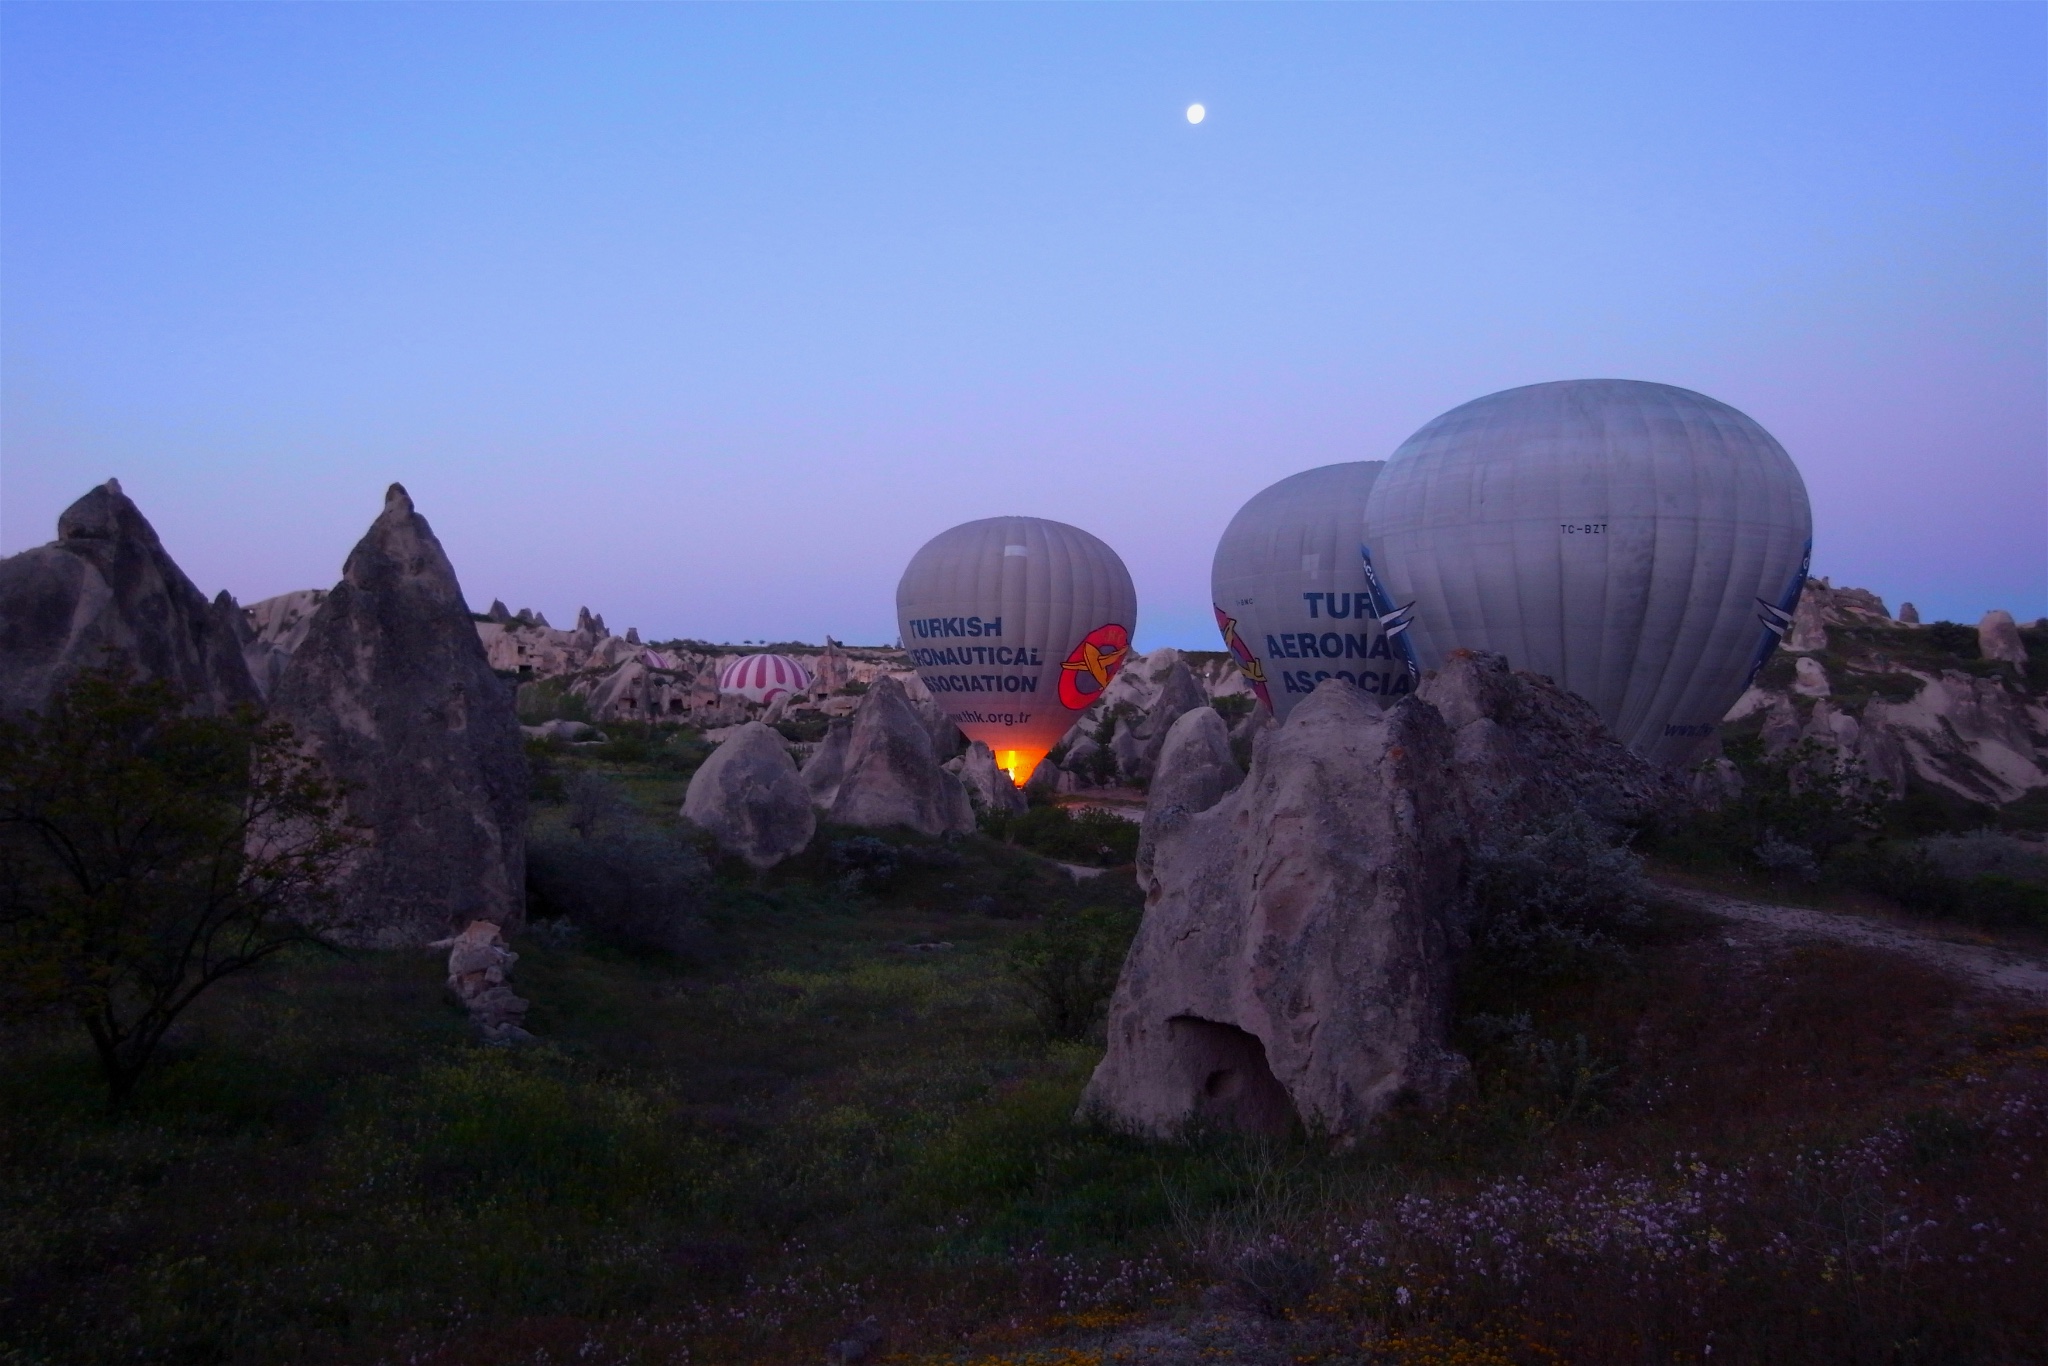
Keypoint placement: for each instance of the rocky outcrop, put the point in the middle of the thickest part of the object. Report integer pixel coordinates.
(1139, 745)
(1822, 605)
(1196, 771)
(891, 776)
(479, 978)
(1526, 749)
(1975, 736)
(1998, 637)
(827, 765)
(989, 788)
(1295, 956)
(1909, 614)
(105, 592)
(391, 690)
(276, 627)
(1905, 704)
(748, 797)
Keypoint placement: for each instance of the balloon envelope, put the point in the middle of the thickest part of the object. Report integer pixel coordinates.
(1290, 591)
(763, 678)
(1642, 545)
(1016, 624)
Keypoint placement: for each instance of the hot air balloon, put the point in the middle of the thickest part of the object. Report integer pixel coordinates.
(1016, 625)
(763, 678)
(1643, 545)
(1291, 594)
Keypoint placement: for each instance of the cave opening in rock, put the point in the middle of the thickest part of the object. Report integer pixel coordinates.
(1233, 1083)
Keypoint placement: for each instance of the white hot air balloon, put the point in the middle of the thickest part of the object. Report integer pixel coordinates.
(1291, 594)
(763, 678)
(1643, 545)
(1016, 625)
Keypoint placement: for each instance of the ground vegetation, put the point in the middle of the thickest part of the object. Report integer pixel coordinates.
(856, 1104)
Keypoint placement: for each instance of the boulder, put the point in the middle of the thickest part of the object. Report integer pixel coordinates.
(1527, 749)
(748, 797)
(1998, 637)
(479, 971)
(1196, 771)
(1295, 956)
(1809, 679)
(1909, 614)
(392, 692)
(988, 787)
(105, 592)
(891, 774)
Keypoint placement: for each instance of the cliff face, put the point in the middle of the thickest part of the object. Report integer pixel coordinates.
(1960, 708)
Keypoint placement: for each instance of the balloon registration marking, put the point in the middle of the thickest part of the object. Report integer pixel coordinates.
(1095, 660)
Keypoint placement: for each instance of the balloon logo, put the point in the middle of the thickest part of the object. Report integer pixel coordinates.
(1247, 663)
(1087, 671)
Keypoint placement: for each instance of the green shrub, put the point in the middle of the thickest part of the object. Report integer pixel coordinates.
(1096, 837)
(618, 876)
(1795, 810)
(1553, 899)
(1918, 883)
(1068, 965)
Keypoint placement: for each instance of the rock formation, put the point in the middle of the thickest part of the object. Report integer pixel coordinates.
(891, 775)
(479, 969)
(988, 787)
(105, 592)
(276, 627)
(1909, 614)
(748, 797)
(1905, 704)
(1138, 747)
(392, 692)
(1998, 637)
(1822, 604)
(1809, 679)
(1196, 770)
(1296, 951)
(1525, 748)
(827, 765)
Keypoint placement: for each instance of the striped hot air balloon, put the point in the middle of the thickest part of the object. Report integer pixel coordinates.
(763, 678)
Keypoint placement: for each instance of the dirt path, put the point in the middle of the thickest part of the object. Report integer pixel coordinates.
(1987, 965)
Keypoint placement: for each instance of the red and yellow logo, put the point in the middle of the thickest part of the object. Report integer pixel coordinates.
(1247, 662)
(1087, 671)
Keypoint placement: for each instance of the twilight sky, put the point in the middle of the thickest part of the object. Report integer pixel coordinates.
(708, 317)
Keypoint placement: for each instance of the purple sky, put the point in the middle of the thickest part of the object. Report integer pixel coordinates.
(708, 317)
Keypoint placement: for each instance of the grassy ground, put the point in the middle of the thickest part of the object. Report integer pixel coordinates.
(1781, 1154)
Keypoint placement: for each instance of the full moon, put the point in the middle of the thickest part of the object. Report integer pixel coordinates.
(1196, 113)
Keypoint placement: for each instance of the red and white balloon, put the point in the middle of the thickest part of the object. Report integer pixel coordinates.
(763, 678)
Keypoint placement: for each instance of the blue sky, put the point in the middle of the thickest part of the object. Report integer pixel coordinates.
(708, 317)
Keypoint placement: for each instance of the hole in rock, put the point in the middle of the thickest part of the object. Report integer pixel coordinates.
(1237, 1088)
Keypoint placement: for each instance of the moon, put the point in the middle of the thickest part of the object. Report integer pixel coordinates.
(1196, 113)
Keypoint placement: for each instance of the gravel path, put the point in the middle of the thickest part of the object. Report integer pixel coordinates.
(1987, 965)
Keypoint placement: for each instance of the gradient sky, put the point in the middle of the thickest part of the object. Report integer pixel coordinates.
(709, 317)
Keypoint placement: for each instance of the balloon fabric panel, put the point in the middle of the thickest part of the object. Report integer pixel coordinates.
(1613, 534)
